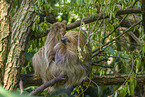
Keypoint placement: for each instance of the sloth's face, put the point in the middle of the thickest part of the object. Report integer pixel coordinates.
(65, 40)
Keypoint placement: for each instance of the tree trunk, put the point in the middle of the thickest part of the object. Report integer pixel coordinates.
(18, 37)
(4, 34)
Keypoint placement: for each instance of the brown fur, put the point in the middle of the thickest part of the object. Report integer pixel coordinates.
(56, 58)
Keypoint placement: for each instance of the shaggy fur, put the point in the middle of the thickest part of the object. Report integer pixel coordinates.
(57, 58)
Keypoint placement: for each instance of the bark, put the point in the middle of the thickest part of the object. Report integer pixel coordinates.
(31, 80)
(4, 34)
(143, 13)
(19, 38)
(128, 11)
(119, 79)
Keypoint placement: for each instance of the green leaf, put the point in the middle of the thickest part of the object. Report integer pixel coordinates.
(111, 50)
(26, 24)
(4, 93)
(122, 91)
(33, 27)
(116, 94)
(144, 48)
(29, 56)
(132, 84)
(138, 64)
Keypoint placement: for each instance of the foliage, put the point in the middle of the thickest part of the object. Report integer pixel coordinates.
(125, 55)
(4, 93)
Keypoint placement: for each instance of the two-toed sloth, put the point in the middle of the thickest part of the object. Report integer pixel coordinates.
(67, 54)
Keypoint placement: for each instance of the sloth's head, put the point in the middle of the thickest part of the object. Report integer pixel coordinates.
(71, 42)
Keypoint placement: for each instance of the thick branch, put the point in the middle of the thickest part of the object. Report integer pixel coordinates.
(101, 16)
(38, 35)
(128, 11)
(115, 79)
(86, 21)
(143, 13)
(97, 17)
(44, 86)
(30, 79)
(49, 18)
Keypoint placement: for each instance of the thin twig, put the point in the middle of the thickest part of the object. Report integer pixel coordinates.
(99, 60)
(127, 76)
(120, 22)
(102, 65)
(85, 89)
(115, 28)
(21, 86)
(116, 38)
(112, 56)
(95, 84)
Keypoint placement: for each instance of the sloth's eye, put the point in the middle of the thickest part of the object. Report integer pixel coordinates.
(65, 40)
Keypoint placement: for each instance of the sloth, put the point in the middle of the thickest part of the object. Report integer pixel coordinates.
(63, 54)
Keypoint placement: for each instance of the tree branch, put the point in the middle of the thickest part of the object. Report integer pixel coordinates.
(45, 85)
(102, 65)
(114, 39)
(143, 13)
(118, 79)
(128, 11)
(31, 80)
(94, 18)
(38, 35)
